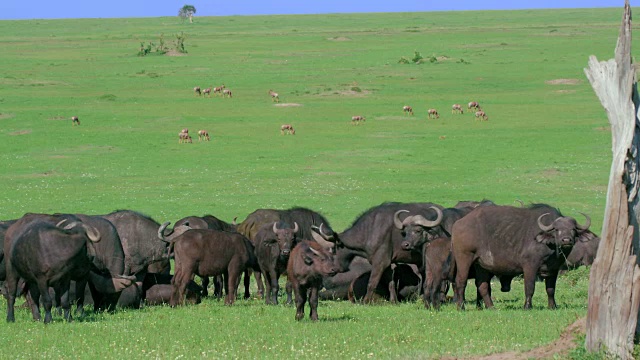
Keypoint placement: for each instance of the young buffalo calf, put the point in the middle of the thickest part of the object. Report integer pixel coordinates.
(308, 264)
(205, 252)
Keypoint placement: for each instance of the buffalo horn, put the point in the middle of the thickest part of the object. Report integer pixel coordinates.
(324, 235)
(62, 222)
(275, 226)
(295, 227)
(161, 231)
(314, 251)
(396, 219)
(586, 224)
(543, 226)
(520, 202)
(92, 233)
(422, 221)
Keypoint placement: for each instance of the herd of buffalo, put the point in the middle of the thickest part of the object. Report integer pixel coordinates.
(393, 250)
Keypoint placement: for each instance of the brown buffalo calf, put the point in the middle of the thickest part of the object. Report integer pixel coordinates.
(203, 135)
(308, 264)
(206, 252)
(433, 114)
(75, 120)
(440, 270)
(407, 110)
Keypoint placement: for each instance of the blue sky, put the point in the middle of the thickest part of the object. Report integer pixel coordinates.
(48, 9)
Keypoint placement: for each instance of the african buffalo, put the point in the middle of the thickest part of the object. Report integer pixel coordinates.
(305, 218)
(273, 244)
(507, 240)
(207, 252)
(4, 225)
(213, 223)
(374, 237)
(308, 264)
(45, 255)
(337, 287)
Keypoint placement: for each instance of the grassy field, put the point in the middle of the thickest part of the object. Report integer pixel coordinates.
(547, 140)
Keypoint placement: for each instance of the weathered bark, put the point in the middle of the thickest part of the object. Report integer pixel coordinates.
(614, 284)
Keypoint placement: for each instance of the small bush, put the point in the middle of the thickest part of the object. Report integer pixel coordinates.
(108, 97)
(356, 89)
(403, 60)
(417, 57)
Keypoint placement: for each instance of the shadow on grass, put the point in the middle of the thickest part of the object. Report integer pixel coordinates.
(343, 317)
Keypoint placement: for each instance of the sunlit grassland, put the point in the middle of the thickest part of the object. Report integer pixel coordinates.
(544, 142)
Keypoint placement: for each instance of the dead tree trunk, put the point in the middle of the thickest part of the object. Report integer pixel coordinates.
(614, 284)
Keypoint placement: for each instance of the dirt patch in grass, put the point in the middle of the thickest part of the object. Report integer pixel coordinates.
(603, 128)
(354, 93)
(174, 53)
(287, 105)
(563, 82)
(564, 91)
(20, 132)
(558, 348)
(339, 38)
(59, 118)
(5, 116)
(551, 172)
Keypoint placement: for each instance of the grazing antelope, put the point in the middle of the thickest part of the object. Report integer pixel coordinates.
(480, 115)
(288, 129)
(433, 114)
(407, 109)
(356, 120)
(218, 89)
(274, 96)
(207, 91)
(184, 137)
(184, 131)
(226, 92)
(456, 109)
(197, 91)
(203, 135)
(75, 120)
(473, 105)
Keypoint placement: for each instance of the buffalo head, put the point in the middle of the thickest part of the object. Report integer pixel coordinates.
(563, 231)
(325, 237)
(417, 229)
(320, 260)
(285, 237)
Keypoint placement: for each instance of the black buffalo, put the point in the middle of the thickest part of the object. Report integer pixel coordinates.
(337, 287)
(374, 237)
(508, 241)
(406, 279)
(273, 244)
(308, 264)
(4, 225)
(45, 255)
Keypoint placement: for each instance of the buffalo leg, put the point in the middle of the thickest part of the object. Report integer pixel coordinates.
(179, 283)
(550, 284)
(483, 287)
(62, 298)
(393, 293)
(233, 280)
(529, 285)
(205, 286)
(463, 266)
(289, 289)
(11, 284)
(80, 286)
(32, 295)
(46, 299)
(247, 283)
(313, 303)
(301, 299)
(267, 283)
(258, 276)
(379, 266)
(275, 286)
(427, 289)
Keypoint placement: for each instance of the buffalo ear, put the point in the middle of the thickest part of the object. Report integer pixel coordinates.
(586, 236)
(544, 238)
(308, 260)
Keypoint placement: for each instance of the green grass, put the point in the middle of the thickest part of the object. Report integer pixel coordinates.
(542, 143)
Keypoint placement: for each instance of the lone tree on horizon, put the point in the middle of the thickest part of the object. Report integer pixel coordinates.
(187, 11)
